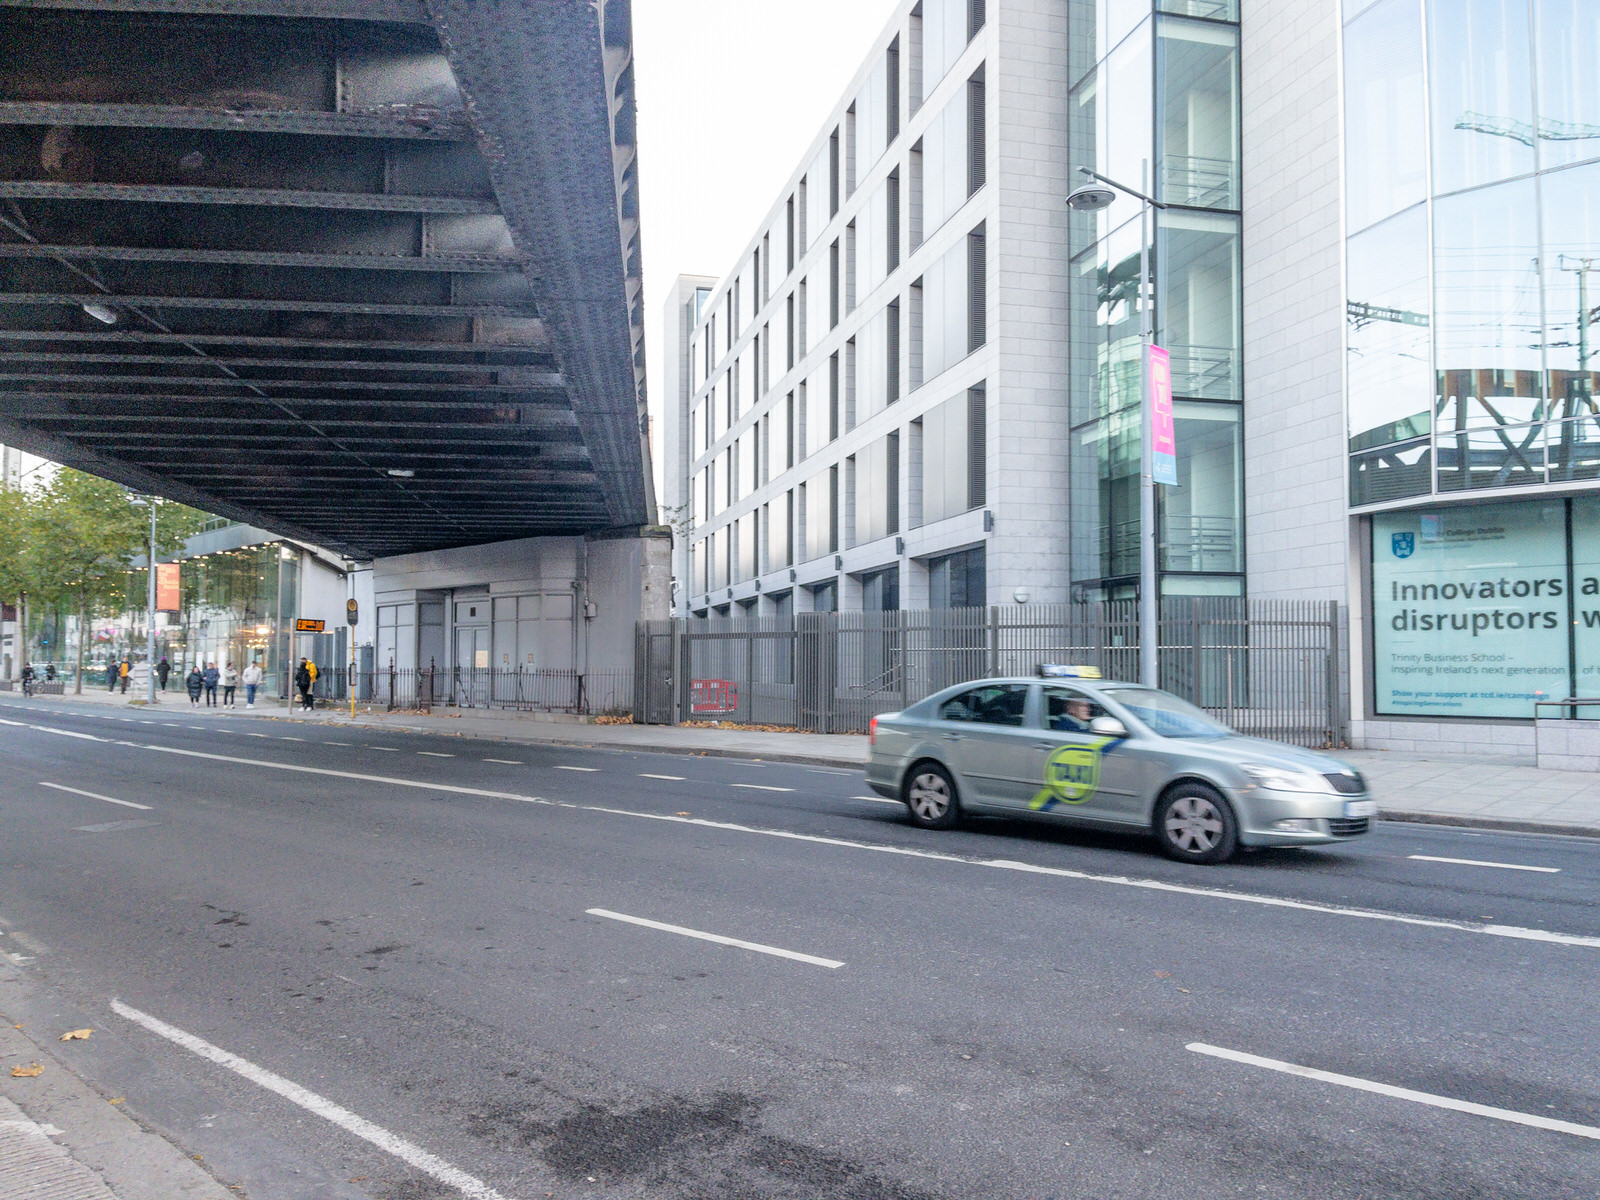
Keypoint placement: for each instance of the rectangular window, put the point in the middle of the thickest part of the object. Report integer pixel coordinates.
(787, 457)
(977, 133)
(833, 284)
(850, 267)
(789, 332)
(833, 395)
(947, 475)
(977, 448)
(977, 289)
(833, 510)
(789, 227)
(892, 354)
(892, 481)
(892, 222)
(833, 173)
(850, 384)
(957, 580)
(892, 99)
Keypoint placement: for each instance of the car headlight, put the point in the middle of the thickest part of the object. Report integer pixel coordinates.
(1284, 779)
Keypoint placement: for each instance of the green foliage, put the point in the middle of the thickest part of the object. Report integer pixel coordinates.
(70, 542)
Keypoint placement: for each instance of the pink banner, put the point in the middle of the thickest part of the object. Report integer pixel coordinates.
(1163, 435)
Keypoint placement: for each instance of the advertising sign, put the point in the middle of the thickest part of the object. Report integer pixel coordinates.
(167, 592)
(713, 696)
(1470, 610)
(1163, 437)
(1586, 599)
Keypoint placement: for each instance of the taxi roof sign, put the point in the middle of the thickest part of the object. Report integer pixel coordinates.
(1061, 671)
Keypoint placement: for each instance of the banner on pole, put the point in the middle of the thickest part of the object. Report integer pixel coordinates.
(167, 594)
(1163, 436)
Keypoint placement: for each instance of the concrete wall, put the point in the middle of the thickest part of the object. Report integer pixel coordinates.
(611, 583)
(1294, 433)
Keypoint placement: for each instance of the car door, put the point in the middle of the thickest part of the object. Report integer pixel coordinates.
(1077, 772)
(986, 740)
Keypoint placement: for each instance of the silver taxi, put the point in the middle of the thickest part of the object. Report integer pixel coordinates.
(1068, 746)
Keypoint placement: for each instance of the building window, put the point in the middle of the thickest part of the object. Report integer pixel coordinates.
(957, 580)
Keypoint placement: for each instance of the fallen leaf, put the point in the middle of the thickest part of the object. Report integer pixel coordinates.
(683, 814)
(1163, 974)
(26, 1072)
(76, 1035)
(118, 1100)
(18, 1025)
(1185, 991)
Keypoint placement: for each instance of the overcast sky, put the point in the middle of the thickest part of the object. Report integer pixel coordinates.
(730, 94)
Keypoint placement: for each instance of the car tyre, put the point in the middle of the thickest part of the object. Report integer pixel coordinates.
(1195, 824)
(930, 797)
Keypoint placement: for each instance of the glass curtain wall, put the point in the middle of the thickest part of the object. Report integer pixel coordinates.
(1157, 108)
(1473, 203)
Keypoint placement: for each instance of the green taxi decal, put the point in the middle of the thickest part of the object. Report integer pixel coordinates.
(1072, 774)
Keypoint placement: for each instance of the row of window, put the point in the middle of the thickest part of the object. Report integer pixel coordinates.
(859, 500)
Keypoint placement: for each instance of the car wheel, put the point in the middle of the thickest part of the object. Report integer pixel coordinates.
(1195, 824)
(930, 797)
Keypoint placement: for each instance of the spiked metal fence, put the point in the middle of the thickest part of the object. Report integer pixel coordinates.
(1267, 667)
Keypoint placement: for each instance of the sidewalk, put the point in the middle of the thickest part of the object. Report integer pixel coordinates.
(1490, 793)
(59, 1138)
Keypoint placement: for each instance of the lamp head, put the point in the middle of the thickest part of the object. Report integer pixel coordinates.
(1091, 197)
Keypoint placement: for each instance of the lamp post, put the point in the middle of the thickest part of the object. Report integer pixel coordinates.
(1093, 197)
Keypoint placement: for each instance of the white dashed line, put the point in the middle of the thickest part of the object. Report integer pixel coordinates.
(95, 796)
(1399, 1093)
(1473, 862)
(407, 1152)
(505, 762)
(830, 963)
(674, 778)
(561, 768)
(386, 749)
(435, 754)
(284, 738)
(760, 787)
(336, 743)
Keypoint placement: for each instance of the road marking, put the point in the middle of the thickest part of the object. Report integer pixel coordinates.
(1474, 862)
(674, 778)
(407, 1152)
(386, 749)
(561, 768)
(760, 787)
(435, 754)
(879, 800)
(505, 762)
(336, 743)
(1516, 932)
(95, 796)
(284, 738)
(830, 963)
(172, 725)
(1399, 1093)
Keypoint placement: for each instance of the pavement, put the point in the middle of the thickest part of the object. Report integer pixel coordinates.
(1442, 789)
(66, 1138)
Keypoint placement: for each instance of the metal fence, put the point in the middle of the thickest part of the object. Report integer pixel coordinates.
(588, 692)
(1267, 667)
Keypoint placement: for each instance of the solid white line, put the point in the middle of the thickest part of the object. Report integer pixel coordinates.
(1473, 862)
(1399, 1093)
(674, 778)
(561, 768)
(879, 800)
(435, 754)
(407, 1152)
(1516, 932)
(95, 796)
(830, 963)
(760, 787)
(505, 762)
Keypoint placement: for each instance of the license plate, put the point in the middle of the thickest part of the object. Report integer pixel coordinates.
(1360, 808)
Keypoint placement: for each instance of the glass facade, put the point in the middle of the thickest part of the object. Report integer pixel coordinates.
(1473, 203)
(1158, 109)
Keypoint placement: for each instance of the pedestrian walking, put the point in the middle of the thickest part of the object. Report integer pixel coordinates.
(163, 669)
(195, 681)
(125, 670)
(111, 675)
(252, 680)
(230, 682)
(27, 679)
(303, 679)
(210, 677)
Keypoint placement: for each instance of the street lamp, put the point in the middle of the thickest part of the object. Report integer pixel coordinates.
(1093, 197)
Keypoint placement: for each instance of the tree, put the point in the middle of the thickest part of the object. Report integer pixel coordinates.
(79, 536)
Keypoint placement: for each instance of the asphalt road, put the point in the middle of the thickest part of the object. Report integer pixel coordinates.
(442, 966)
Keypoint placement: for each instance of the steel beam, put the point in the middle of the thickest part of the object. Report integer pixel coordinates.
(397, 11)
(147, 193)
(544, 383)
(262, 304)
(439, 264)
(411, 122)
(114, 337)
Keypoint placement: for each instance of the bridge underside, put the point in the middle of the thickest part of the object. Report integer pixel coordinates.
(360, 271)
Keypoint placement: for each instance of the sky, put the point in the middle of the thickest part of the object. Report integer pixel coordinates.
(730, 95)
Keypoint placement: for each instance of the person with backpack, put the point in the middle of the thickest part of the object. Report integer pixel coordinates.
(27, 679)
(194, 682)
(303, 679)
(163, 669)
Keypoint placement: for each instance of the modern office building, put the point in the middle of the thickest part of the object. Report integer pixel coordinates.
(1371, 245)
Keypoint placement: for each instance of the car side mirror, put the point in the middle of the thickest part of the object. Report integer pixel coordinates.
(1108, 727)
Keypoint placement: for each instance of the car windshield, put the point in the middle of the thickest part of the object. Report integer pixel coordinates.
(1167, 715)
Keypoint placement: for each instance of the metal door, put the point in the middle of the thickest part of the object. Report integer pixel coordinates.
(472, 666)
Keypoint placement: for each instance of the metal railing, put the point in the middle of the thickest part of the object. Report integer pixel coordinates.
(607, 691)
(1268, 668)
